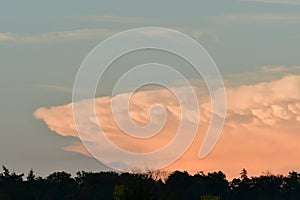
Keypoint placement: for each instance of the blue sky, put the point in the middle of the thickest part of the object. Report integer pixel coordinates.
(42, 45)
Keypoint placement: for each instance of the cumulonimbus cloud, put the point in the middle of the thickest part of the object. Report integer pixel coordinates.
(261, 130)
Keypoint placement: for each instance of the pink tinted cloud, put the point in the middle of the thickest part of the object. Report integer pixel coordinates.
(261, 131)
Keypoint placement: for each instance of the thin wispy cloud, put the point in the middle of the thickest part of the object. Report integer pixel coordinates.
(193, 32)
(59, 36)
(280, 69)
(259, 18)
(199, 33)
(66, 89)
(287, 2)
(56, 88)
(264, 73)
(196, 34)
(6, 36)
(116, 19)
(95, 33)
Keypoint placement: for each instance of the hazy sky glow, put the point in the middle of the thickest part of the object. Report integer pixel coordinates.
(255, 44)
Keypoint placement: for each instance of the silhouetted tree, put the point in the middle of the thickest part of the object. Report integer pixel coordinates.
(10, 177)
(291, 185)
(30, 177)
(146, 186)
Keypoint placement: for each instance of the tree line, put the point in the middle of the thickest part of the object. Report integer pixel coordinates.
(147, 186)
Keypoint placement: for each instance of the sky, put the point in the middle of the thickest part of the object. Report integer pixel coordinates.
(254, 43)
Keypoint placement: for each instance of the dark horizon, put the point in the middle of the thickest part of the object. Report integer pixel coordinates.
(148, 185)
